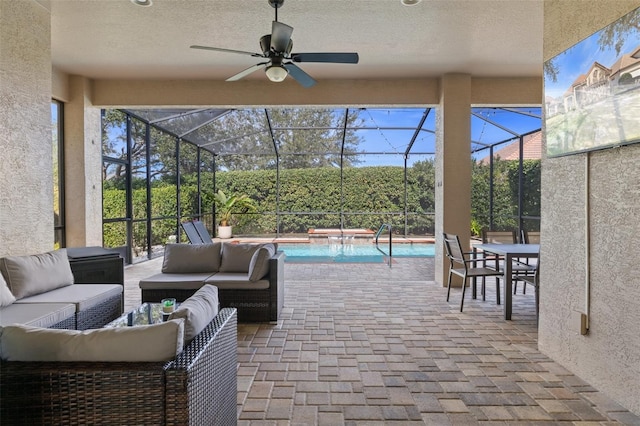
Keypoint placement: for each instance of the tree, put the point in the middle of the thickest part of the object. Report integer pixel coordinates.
(243, 138)
(114, 145)
(551, 70)
(315, 137)
(616, 34)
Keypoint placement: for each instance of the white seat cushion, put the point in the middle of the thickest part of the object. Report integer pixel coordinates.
(36, 314)
(84, 296)
(174, 281)
(236, 281)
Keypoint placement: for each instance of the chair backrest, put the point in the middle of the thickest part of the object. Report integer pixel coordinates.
(192, 234)
(530, 237)
(454, 248)
(499, 237)
(202, 231)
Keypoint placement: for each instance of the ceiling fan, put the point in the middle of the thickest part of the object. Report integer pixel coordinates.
(276, 48)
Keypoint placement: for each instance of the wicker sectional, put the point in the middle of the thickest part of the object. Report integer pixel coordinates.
(256, 302)
(198, 387)
(45, 294)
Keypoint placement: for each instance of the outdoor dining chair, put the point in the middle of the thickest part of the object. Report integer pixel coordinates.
(528, 267)
(530, 237)
(499, 237)
(506, 237)
(534, 281)
(519, 267)
(467, 267)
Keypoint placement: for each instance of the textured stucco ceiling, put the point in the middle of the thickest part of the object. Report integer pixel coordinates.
(116, 39)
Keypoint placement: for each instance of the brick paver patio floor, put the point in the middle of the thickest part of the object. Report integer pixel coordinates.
(363, 344)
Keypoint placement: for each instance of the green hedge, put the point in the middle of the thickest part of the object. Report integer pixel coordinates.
(312, 198)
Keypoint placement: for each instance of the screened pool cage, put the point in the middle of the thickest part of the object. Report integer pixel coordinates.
(305, 169)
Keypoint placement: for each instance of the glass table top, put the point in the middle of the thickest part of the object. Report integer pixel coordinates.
(145, 314)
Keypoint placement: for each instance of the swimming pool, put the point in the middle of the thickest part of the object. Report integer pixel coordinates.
(350, 253)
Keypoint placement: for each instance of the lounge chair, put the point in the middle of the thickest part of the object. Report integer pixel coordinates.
(192, 233)
(202, 231)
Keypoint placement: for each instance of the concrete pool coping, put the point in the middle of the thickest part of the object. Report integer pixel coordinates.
(307, 240)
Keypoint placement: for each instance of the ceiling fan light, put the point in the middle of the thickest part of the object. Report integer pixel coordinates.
(276, 73)
(410, 2)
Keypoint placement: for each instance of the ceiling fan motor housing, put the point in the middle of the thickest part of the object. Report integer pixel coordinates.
(265, 47)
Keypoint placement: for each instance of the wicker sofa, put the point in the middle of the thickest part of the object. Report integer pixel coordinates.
(39, 290)
(258, 297)
(198, 387)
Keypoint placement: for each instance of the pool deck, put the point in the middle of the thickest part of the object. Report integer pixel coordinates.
(372, 345)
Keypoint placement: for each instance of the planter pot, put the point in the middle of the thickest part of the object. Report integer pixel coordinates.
(224, 231)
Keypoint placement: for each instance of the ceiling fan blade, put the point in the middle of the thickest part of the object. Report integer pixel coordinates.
(246, 72)
(218, 49)
(280, 36)
(338, 58)
(299, 75)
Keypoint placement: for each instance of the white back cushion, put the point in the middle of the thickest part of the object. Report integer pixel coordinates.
(191, 258)
(6, 298)
(38, 273)
(197, 311)
(146, 343)
(237, 257)
(259, 264)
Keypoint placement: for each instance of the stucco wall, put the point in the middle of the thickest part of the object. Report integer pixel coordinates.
(26, 177)
(608, 357)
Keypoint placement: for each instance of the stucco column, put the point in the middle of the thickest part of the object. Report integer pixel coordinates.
(453, 167)
(83, 165)
(26, 169)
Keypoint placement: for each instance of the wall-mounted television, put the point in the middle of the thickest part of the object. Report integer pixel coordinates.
(592, 91)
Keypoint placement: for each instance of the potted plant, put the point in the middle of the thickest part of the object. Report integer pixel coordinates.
(227, 207)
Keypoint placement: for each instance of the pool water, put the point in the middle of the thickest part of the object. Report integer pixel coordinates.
(351, 253)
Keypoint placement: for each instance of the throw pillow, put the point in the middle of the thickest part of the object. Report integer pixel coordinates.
(237, 257)
(6, 298)
(191, 258)
(198, 311)
(38, 273)
(259, 265)
(145, 343)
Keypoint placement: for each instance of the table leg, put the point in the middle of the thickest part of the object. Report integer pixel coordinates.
(508, 259)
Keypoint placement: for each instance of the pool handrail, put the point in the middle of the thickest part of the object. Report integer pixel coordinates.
(382, 227)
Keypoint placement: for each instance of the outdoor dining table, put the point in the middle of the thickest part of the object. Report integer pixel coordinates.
(510, 252)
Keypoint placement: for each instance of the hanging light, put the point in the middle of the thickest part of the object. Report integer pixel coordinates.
(276, 73)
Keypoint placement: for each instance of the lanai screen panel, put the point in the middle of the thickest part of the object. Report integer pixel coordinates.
(385, 130)
(490, 126)
(315, 132)
(243, 131)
